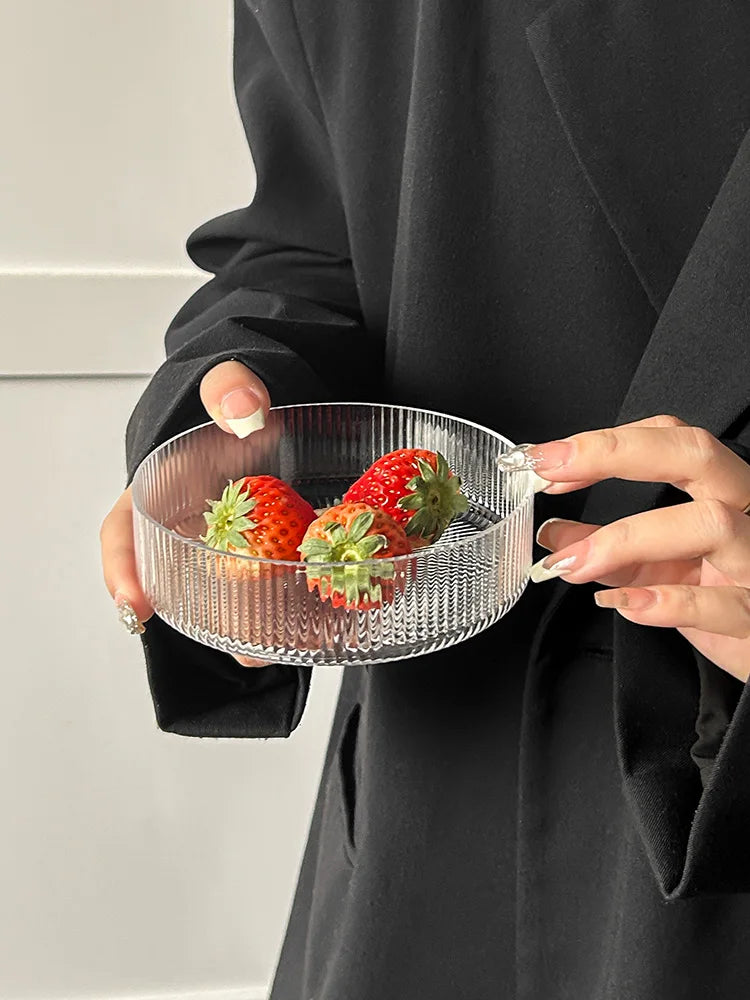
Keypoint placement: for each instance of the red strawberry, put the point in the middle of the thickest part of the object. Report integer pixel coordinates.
(279, 519)
(351, 533)
(416, 488)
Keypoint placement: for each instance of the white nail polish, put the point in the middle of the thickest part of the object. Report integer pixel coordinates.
(242, 426)
(539, 573)
(539, 483)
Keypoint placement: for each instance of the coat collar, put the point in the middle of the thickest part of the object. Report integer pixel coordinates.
(652, 96)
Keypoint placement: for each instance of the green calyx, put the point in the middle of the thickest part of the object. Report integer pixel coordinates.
(435, 497)
(353, 546)
(227, 518)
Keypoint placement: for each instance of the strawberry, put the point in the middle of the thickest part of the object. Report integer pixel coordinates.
(418, 490)
(351, 533)
(280, 518)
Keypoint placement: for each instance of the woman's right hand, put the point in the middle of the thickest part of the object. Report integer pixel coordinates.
(236, 400)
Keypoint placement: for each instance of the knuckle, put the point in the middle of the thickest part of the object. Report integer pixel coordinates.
(670, 420)
(719, 518)
(688, 597)
(702, 445)
(615, 537)
(609, 442)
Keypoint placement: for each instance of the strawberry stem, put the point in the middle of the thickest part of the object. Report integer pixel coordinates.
(353, 545)
(342, 546)
(435, 497)
(227, 517)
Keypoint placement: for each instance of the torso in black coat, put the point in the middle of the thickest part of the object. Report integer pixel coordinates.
(501, 213)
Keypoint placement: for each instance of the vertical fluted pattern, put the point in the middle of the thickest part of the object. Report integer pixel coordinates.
(442, 594)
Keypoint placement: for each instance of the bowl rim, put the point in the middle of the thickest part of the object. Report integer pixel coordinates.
(301, 564)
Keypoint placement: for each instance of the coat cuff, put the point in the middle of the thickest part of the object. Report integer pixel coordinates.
(199, 691)
(171, 401)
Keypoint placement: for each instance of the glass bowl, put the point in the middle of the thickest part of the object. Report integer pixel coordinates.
(442, 594)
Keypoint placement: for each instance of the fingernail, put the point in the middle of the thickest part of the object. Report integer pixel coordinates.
(635, 600)
(538, 483)
(242, 411)
(539, 572)
(553, 455)
(127, 614)
(516, 459)
(547, 523)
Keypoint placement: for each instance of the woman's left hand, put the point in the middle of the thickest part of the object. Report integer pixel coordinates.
(685, 566)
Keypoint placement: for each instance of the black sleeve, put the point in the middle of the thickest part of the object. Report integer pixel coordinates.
(283, 301)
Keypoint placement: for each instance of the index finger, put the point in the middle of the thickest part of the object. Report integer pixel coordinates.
(659, 420)
(669, 451)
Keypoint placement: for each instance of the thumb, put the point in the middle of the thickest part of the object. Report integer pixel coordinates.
(235, 398)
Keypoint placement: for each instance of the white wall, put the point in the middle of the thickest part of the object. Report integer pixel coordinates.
(132, 863)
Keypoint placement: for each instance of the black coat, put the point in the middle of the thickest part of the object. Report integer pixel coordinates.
(535, 215)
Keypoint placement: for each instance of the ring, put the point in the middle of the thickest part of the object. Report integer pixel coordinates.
(129, 618)
(746, 509)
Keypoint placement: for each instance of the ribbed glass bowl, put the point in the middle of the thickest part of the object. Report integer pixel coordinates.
(442, 594)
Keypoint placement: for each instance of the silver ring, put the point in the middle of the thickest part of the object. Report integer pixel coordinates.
(129, 618)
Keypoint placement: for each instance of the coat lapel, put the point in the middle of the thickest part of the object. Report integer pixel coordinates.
(650, 96)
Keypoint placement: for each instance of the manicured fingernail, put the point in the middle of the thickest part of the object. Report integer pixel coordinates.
(546, 524)
(553, 455)
(634, 599)
(540, 572)
(242, 411)
(539, 483)
(516, 459)
(127, 614)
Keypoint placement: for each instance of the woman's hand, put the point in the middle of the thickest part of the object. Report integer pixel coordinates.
(236, 400)
(686, 566)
